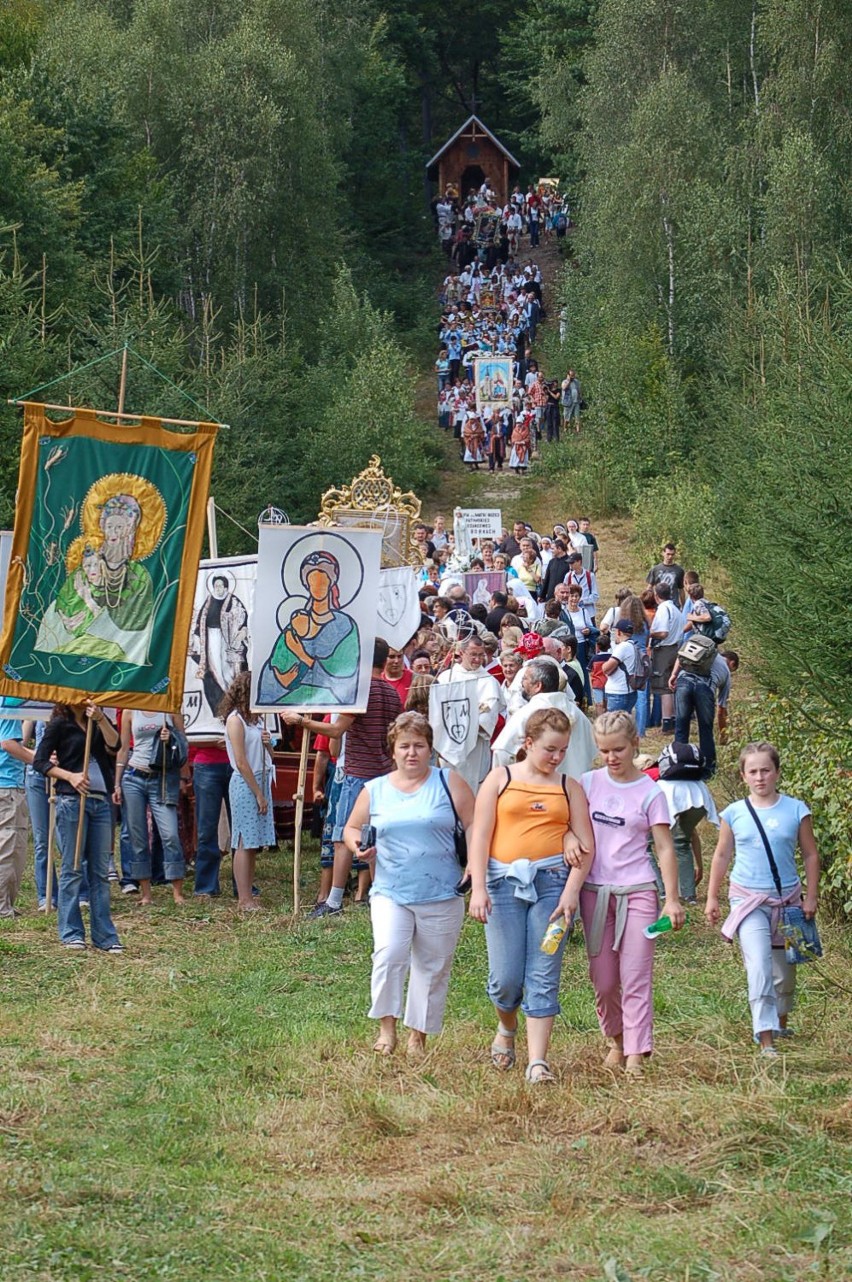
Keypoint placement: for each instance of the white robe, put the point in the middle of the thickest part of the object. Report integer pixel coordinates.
(581, 746)
(488, 705)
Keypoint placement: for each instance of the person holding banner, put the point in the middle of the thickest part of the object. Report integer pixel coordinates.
(141, 783)
(250, 789)
(65, 736)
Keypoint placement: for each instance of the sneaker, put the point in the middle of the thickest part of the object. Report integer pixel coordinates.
(42, 908)
(84, 903)
(112, 875)
(324, 910)
(130, 889)
(76, 945)
(115, 948)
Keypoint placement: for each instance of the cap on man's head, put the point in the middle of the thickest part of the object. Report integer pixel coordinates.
(624, 625)
(531, 645)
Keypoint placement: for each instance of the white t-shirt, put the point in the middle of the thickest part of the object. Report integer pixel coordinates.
(668, 617)
(616, 682)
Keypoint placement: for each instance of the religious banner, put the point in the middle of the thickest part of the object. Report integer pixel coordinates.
(454, 718)
(479, 585)
(17, 709)
(482, 522)
(219, 640)
(107, 537)
(492, 377)
(398, 606)
(313, 647)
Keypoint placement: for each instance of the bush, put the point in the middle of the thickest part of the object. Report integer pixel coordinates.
(816, 764)
(679, 509)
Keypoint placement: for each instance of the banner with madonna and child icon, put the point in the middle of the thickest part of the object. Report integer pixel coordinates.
(314, 621)
(108, 532)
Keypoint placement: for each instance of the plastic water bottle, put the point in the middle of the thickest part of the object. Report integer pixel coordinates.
(659, 927)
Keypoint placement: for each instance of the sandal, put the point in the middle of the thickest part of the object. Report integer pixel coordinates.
(384, 1047)
(503, 1057)
(541, 1077)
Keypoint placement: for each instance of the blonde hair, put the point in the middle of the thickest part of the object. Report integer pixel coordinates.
(413, 723)
(619, 722)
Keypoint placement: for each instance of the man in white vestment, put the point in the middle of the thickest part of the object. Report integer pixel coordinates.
(540, 683)
(464, 705)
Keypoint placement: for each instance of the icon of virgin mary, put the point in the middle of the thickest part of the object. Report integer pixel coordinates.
(317, 657)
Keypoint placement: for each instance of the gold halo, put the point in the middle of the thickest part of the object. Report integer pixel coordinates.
(150, 528)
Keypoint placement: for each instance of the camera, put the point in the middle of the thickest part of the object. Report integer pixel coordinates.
(368, 837)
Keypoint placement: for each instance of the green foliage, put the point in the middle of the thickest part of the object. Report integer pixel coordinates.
(680, 507)
(709, 320)
(815, 744)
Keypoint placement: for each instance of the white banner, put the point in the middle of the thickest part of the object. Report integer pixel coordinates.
(219, 640)
(398, 605)
(454, 718)
(483, 522)
(313, 642)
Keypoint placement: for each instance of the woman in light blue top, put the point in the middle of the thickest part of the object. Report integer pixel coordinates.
(758, 892)
(416, 913)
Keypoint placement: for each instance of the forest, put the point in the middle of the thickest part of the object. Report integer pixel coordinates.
(236, 188)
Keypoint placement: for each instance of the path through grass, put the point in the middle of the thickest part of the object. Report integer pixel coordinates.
(206, 1107)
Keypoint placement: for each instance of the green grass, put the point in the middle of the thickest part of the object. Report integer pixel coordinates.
(207, 1107)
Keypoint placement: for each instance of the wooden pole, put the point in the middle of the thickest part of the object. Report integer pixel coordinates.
(82, 818)
(51, 833)
(122, 383)
(212, 540)
(300, 810)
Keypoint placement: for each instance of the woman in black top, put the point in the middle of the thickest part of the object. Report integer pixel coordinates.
(65, 736)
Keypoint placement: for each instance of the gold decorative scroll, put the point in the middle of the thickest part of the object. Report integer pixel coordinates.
(373, 502)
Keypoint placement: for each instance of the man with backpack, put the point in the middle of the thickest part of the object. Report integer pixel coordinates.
(584, 580)
(699, 672)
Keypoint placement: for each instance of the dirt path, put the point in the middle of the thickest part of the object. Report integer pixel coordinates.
(533, 498)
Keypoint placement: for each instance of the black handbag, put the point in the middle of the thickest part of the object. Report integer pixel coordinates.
(459, 834)
(800, 933)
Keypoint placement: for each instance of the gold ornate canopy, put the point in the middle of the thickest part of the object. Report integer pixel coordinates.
(373, 502)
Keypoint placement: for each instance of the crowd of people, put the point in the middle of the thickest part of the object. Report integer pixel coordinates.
(470, 772)
(507, 806)
(491, 307)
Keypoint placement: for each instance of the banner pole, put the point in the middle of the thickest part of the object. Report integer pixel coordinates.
(82, 817)
(300, 811)
(122, 383)
(51, 833)
(212, 539)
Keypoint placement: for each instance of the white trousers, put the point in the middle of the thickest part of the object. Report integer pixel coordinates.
(771, 978)
(419, 937)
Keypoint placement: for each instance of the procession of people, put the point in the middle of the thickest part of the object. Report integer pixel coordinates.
(492, 306)
(472, 771)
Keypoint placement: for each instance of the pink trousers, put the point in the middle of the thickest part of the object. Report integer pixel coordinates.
(623, 980)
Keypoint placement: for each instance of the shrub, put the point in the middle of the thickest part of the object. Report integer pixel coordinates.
(679, 508)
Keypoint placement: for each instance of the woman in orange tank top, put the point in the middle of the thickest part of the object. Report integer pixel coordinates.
(528, 819)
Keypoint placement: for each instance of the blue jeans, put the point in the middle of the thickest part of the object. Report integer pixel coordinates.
(621, 702)
(513, 934)
(139, 791)
(95, 852)
(39, 808)
(696, 694)
(210, 784)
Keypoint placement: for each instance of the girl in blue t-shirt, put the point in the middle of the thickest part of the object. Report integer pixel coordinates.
(755, 902)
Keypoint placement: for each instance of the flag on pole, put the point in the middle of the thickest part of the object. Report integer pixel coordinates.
(108, 531)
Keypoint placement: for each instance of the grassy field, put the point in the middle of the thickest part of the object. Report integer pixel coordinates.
(207, 1107)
